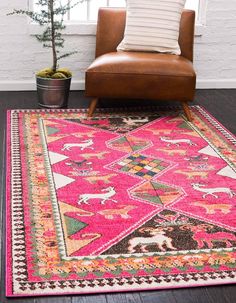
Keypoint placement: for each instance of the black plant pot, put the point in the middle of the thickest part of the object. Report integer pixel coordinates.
(53, 93)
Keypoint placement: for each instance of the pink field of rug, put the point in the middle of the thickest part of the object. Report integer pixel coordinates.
(119, 202)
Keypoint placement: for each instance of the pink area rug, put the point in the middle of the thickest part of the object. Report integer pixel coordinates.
(119, 202)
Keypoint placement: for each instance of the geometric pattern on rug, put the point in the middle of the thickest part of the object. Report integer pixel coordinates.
(129, 144)
(140, 165)
(118, 202)
(156, 192)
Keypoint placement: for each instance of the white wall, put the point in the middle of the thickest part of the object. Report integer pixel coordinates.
(215, 50)
(21, 55)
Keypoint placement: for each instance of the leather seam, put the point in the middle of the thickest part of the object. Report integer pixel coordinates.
(127, 74)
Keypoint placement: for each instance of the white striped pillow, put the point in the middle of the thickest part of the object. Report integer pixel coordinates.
(153, 26)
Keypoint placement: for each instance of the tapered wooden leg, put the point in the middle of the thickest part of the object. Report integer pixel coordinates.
(92, 107)
(187, 111)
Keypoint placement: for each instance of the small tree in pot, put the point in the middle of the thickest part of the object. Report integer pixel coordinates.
(53, 84)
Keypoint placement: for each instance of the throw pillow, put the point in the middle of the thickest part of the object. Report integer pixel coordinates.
(153, 26)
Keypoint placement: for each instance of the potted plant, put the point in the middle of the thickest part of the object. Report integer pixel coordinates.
(53, 83)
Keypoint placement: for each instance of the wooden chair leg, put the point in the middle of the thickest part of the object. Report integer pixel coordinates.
(187, 111)
(92, 107)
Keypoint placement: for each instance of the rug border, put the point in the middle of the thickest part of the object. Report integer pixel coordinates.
(109, 110)
(215, 123)
(118, 290)
(9, 291)
(8, 258)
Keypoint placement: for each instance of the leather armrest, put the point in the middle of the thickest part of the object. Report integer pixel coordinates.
(110, 29)
(186, 34)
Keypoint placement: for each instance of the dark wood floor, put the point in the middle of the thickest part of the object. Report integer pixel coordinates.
(221, 104)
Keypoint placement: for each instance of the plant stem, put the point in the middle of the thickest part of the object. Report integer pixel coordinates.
(54, 54)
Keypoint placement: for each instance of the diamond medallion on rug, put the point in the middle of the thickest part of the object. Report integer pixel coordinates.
(118, 202)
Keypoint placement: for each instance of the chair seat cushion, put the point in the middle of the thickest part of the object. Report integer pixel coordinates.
(142, 63)
(127, 74)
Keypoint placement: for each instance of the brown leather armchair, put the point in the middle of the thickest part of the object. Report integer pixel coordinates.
(140, 75)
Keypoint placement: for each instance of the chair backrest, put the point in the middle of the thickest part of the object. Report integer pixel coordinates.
(111, 26)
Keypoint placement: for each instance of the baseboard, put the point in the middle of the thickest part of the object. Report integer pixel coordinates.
(216, 83)
(29, 85)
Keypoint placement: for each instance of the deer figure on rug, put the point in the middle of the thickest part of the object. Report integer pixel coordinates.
(176, 141)
(84, 144)
(212, 191)
(157, 237)
(202, 236)
(106, 195)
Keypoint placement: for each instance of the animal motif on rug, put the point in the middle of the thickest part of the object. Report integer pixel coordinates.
(104, 178)
(154, 236)
(122, 211)
(172, 152)
(135, 121)
(82, 145)
(100, 155)
(90, 134)
(213, 208)
(196, 169)
(159, 234)
(105, 195)
(176, 142)
(213, 190)
(204, 236)
(157, 132)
